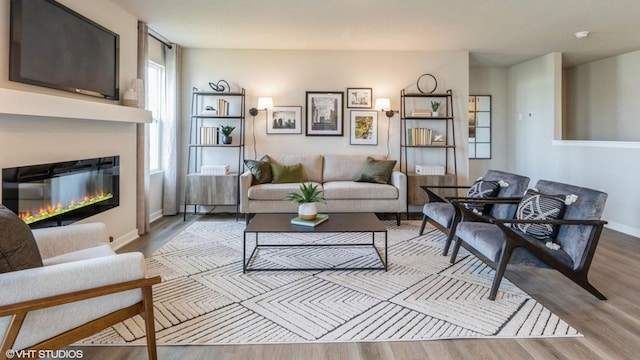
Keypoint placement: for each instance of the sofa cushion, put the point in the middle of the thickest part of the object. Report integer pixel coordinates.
(18, 248)
(376, 171)
(274, 191)
(346, 190)
(344, 167)
(286, 173)
(311, 165)
(261, 170)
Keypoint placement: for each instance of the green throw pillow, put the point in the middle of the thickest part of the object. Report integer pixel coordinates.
(18, 248)
(261, 170)
(376, 171)
(286, 173)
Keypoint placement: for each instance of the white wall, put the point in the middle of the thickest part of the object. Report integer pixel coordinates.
(534, 86)
(31, 140)
(286, 75)
(602, 99)
(492, 81)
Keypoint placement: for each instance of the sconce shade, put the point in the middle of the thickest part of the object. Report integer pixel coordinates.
(265, 103)
(383, 104)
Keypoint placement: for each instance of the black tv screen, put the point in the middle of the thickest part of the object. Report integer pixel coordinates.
(53, 46)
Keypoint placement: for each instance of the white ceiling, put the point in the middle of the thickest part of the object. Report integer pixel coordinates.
(495, 32)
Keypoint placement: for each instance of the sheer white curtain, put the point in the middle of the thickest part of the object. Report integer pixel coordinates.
(169, 137)
(142, 138)
(170, 132)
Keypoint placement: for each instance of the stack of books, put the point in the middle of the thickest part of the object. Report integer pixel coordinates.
(223, 107)
(419, 136)
(320, 218)
(208, 135)
(420, 113)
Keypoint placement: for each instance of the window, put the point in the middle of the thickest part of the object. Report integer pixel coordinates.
(156, 97)
(479, 126)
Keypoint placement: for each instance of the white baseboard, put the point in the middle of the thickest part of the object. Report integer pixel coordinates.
(624, 229)
(125, 239)
(155, 216)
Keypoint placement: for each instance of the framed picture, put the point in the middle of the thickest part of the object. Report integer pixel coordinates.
(359, 98)
(284, 120)
(364, 127)
(324, 113)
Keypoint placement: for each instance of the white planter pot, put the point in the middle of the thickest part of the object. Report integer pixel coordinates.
(307, 211)
(434, 114)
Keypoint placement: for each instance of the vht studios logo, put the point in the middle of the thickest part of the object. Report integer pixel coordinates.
(53, 354)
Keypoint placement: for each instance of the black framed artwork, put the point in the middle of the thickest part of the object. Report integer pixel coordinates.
(324, 113)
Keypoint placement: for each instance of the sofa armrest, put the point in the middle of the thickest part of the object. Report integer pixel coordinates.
(246, 179)
(399, 180)
(60, 240)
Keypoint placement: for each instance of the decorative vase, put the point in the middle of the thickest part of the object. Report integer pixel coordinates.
(307, 211)
(130, 98)
(227, 139)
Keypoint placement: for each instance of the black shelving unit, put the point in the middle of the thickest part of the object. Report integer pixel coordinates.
(204, 138)
(416, 113)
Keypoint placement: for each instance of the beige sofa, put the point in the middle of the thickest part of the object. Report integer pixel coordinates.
(336, 175)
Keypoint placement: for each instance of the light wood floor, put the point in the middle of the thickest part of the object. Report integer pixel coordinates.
(611, 328)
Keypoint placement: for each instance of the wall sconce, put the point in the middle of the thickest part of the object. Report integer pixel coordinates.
(264, 103)
(384, 104)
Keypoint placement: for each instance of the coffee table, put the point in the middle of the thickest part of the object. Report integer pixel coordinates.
(341, 223)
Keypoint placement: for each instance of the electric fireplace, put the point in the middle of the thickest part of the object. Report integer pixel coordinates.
(60, 193)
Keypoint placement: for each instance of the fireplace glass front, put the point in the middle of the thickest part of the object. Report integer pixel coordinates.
(57, 194)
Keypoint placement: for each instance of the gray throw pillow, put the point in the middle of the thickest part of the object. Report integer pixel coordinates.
(18, 248)
(376, 171)
(261, 170)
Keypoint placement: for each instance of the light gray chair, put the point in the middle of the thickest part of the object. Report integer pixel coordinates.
(444, 216)
(500, 242)
(80, 287)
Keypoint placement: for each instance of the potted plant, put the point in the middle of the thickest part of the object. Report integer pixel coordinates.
(307, 198)
(434, 107)
(226, 134)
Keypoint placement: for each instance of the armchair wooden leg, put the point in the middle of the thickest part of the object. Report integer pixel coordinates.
(398, 216)
(424, 223)
(451, 235)
(585, 284)
(147, 304)
(456, 248)
(507, 250)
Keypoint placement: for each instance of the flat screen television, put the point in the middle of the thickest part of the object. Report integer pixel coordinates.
(54, 46)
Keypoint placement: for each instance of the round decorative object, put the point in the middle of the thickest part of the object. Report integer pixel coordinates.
(427, 83)
(219, 86)
(227, 139)
(307, 211)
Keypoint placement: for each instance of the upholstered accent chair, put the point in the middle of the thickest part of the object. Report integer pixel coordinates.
(444, 216)
(544, 233)
(79, 287)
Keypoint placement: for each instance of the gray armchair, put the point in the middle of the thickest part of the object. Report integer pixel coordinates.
(444, 216)
(82, 287)
(569, 248)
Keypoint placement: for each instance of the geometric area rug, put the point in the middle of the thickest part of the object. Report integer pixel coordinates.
(205, 299)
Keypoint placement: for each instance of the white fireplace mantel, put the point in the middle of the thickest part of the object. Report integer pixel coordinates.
(16, 102)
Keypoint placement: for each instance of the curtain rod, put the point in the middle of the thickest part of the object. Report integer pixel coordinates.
(162, 41)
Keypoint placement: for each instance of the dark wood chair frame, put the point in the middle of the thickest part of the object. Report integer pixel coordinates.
(433, 197)
(19, 311)
(450, 232)
(514, 239)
